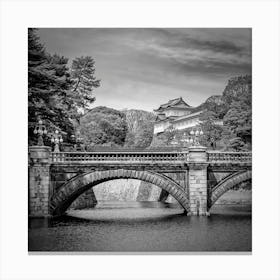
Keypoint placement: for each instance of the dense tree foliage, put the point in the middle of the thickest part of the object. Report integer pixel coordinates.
(103, 126)
(48, 84)
(233, 109)
(55, 95)
(238, 119)
(211, 128)
(171, 138)
(140, 128)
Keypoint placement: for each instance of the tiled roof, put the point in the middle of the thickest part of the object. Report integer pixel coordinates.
(190, 116)
(171, 103)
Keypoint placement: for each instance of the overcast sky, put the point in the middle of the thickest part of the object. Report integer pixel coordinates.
(143, 68)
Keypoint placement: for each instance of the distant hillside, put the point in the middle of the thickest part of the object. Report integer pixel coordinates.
(214, 99)
(102, 126)
(140, 126)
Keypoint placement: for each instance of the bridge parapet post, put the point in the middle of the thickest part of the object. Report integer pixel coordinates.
(39, 180)
(197, 163)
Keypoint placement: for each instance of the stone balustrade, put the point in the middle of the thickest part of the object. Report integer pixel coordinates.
(116, 156)
(143, 156)
(216, 156)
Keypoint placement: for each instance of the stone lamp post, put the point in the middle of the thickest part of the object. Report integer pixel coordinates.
(185, 140)
(194, 138)
(40, 130)
(78, 141)
(56, 139)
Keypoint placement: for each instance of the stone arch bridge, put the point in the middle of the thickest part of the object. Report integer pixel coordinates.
(196, 178)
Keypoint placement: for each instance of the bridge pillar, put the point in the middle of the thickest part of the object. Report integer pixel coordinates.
(197, 163)
(39, 180)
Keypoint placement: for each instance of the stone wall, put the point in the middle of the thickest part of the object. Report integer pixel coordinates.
(39, 180)
(118, 190)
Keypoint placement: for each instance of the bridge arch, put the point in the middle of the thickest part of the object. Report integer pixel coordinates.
(67, 193)
(228, 183)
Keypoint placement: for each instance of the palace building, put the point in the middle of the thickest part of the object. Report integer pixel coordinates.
(176, 113)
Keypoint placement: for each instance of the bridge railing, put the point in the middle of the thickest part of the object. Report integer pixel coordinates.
(215, 156)
(212, 156)
(116, 156)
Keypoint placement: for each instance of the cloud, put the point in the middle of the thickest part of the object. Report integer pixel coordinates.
(143, 67)
(183, 49)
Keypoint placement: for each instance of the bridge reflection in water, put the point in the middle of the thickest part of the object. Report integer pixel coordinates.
(143, 227)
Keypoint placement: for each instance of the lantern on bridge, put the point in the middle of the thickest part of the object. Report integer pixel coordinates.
(195, 136)
(41, 130)
(56, 139)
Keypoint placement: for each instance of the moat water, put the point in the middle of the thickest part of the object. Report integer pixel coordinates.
(143, 227)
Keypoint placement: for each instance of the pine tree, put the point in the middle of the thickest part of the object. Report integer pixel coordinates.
(82, 75)
(48, 84)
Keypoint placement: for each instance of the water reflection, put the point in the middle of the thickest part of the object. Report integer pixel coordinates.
(143, 226)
